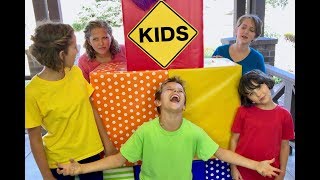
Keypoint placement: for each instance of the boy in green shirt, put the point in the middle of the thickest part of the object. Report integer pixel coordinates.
(168, 144)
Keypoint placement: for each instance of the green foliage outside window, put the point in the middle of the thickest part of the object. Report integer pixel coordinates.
(109, 11)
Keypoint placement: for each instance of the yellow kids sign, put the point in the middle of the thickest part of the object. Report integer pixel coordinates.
(162, 34)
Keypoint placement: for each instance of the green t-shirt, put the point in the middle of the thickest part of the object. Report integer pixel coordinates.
(168, 155)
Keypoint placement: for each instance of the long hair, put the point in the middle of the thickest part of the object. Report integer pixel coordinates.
(114, 46)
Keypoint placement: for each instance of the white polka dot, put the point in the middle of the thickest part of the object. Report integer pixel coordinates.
(97, 95)
(110, 87)
(120, 131)
(104, 98)
(115, 75)
(122, 86)
(108, 126)
(125, 114)
(99, 109)
(127, 134)
(116, 90)
(119, 118)
(154, 81)
(119, 111)
(132, 124)
(108, 79)
(116, 83)
(111, 101)
(120, 125)
(143, 102)
(121, 138)
(123, 93)
(135, 78)
(136, 99)
(115, 142)
(103, 90)
(131, 110)
(131, 117)
(114, 129)
(137, 106)
(105, 105)
(103, 83)
(121, 79)
(110, 94)
(112, 108)
(95, 80)
(217, 177)
(130, 103)
(142, 95)
(135, 85)
(149, 99)
(126, 121)
(137, 113)
(130, 96)
(138, 120)
(135, 92)
(106, 112)
(153, 73)
(129, 89)
(112, 115)
(117, 97)
(113, 122)
(98, 102)
(148, 84)
(144, 116)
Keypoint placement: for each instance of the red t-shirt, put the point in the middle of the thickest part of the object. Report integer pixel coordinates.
(261, 132)
(87, 66)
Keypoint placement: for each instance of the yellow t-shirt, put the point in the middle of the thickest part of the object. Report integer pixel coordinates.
(64, 110)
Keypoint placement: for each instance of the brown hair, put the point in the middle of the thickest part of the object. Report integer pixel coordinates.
(250, 81)
(49, 39)
(175, 79)
(256, 20)
(114, 47)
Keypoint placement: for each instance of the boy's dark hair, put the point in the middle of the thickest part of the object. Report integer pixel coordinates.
(114, 46)
(176, 79)
(248, 83)
(256, 20)
(49, 39)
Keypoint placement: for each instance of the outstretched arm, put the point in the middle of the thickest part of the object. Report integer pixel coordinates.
(263, 167)
(74, 168)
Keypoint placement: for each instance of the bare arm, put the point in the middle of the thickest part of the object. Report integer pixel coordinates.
(233, 144)
(74, 168)
(107, 143)
(263, 167)
(39, 153)
(284, 154)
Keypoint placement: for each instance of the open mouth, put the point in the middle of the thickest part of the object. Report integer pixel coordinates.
(175, 98)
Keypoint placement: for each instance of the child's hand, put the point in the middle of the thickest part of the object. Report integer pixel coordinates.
(235, 173)
(72, 169)
(265, 169)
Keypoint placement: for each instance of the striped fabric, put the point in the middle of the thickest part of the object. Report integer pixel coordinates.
(123, 173)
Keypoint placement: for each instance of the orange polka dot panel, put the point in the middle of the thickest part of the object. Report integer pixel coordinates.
(125, 100)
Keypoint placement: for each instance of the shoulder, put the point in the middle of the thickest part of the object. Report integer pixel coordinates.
(83, 58)
(256, 53)
(226, 46)
(283, 110)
